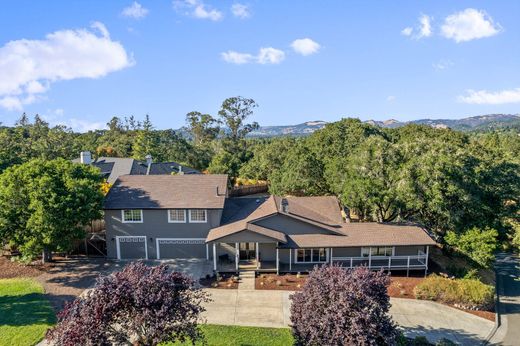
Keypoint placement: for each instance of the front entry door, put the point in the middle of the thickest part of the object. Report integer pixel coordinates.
(247, 251)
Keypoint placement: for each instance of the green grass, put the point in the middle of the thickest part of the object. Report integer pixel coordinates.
(25, 313)
(244, 336)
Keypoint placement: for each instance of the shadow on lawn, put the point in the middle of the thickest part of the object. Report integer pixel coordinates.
(25, 309)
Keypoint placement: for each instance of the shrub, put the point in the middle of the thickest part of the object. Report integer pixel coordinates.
(478, 244)
(343, 307)
(140, 305)
(468, 293)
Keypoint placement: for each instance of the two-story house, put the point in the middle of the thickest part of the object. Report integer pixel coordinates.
(191, 216)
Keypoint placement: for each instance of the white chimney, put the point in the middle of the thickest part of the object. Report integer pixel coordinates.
(148, 160)
(85, 157)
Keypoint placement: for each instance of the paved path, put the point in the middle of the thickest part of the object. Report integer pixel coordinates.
(270, 308)
(508, 277)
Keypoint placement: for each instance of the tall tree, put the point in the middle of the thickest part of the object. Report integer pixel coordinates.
(233, 112)
(203, 128)
(146, 141)
(44, 204)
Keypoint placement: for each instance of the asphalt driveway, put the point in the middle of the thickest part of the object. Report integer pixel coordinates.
(265, 308)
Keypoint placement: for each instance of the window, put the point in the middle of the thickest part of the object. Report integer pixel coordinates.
(176, 215)
(132, 215)
(377, 251)
(198, 215)
(311, 255)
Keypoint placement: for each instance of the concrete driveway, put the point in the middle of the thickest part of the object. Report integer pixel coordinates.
(508, 277)
(264, 308)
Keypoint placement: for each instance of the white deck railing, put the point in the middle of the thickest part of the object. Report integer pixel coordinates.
(382, 262)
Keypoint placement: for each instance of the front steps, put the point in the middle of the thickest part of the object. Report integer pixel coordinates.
(246, 279)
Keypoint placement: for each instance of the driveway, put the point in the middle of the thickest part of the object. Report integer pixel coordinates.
(68, 278)
(265, 308)
(508, 277)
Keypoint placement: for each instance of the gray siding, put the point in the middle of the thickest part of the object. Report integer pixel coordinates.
(346, 252)
(408, 250)
(155, 225)
(288, 225)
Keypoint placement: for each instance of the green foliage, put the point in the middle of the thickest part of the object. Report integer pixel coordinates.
(469, 293)
(300, 174)
(478, 244)
(45, 204)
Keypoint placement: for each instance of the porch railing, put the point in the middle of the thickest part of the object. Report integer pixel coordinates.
(384, 262)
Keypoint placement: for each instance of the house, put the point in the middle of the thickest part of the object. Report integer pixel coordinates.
(113, 167)
(191, 216)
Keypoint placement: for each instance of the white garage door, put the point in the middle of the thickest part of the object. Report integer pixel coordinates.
(131, 247)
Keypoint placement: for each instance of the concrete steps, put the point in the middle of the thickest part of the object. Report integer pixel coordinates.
(246, 280)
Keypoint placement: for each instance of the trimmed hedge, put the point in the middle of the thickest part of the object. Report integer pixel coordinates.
(466, 293)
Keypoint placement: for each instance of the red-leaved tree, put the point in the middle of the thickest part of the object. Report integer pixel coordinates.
(141, 305)
(338, 306)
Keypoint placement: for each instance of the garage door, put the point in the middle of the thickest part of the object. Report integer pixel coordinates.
(131, 247)
(181, 248)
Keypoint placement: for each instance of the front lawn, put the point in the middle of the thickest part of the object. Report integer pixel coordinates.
(25, 312)
(241, 336)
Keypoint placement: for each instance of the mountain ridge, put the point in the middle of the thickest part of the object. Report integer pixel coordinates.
(485, 122)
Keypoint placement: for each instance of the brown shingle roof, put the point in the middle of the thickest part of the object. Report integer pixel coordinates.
(168, 191)
(367, 234)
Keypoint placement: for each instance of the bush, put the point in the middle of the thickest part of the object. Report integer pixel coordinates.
(343, 307)
(478, 244)
(140, 305)
(467, 293)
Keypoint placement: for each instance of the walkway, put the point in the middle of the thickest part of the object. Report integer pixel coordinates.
(508, 277)
(265, 308)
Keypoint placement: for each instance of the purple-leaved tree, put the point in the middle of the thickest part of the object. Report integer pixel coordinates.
(338, 306)
(141, 305)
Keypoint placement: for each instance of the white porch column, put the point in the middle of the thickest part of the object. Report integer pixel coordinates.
(369, 258)
(207, 251)
(215, 256)
(330, 254)
(237, 255)
(257, 256)
(290, 259)
(277, 262)
(426, 260)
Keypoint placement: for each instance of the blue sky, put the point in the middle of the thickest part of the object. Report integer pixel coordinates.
(81, 62)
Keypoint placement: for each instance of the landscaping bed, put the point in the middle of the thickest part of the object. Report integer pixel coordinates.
(10, 269)
(26, 313)
(224, 281)
(288, 282)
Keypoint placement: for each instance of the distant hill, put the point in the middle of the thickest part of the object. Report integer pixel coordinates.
(477, 123)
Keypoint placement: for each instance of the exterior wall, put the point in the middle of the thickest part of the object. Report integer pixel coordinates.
(155, 225)
(346, 252)
(267, 251)
(288, 225)
(409, 250)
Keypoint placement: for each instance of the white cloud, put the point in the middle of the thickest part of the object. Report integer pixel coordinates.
(265, 56)
(135, 11)
(484, 97)
(407, 31)
(270, 55)
(390, 98)
(305, 46)
(197, 9)
(423, 29)
(29, 67)
(57, 117)
(443, 64)
(468, 25)
(237, 58)
(240, 11)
